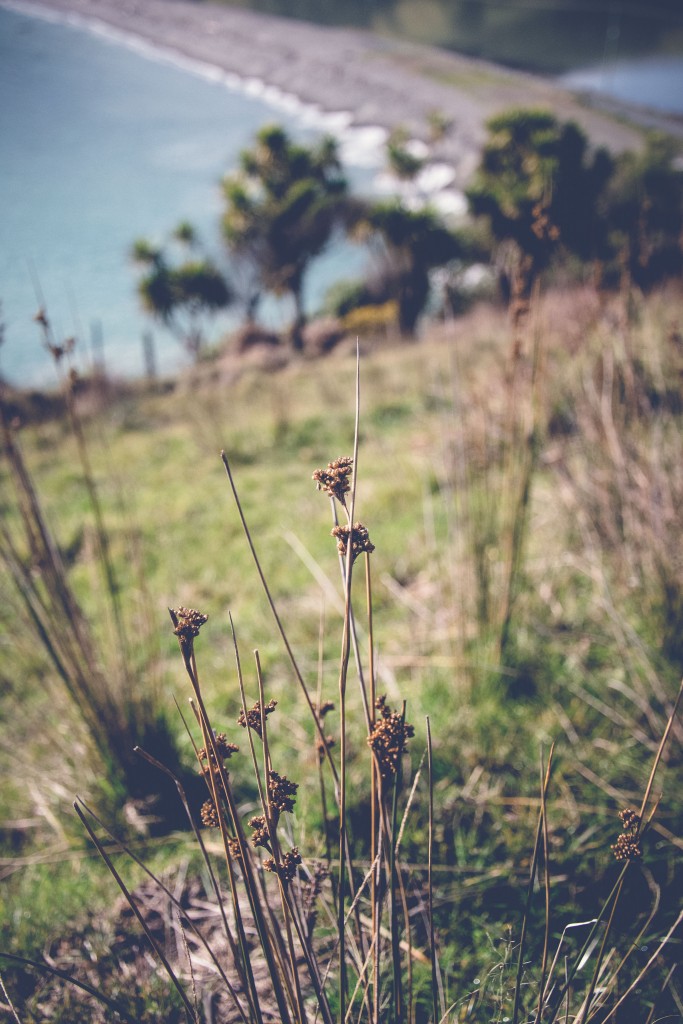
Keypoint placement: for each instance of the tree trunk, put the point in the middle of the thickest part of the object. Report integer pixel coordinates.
(296, 335)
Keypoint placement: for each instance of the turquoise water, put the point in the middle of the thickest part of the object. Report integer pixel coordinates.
(655, 82)
(101, 145)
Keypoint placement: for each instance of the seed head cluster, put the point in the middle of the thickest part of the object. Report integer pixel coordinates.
(187, 623)
(360, 540)
(224, 750)
(627, 846)
(388, 738)
(209, 814)
(282, 792)
(260, 835)
(335, 479)
(287, 870)
(253, 717)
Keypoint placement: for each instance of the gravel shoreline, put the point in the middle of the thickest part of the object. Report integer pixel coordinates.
(378, 81)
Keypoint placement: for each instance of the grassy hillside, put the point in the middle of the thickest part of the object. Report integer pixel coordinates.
(524, 498)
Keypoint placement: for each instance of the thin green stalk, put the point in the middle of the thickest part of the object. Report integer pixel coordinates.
(436, 980)
(546, 889)
(529, 894)
(397, 1010)
(646, 798)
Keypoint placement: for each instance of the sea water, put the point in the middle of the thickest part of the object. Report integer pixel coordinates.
(100, 144)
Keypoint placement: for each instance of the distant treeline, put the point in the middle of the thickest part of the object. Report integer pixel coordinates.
(548, 35)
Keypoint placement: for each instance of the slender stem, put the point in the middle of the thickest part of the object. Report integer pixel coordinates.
(270, 817)
(174, 900)
(430, 886)
(616, 888)
(529, 894)
(660, 750)
(213, 760)
(634, 984)
(134, 907)
(546, 889)
(67, 976)
(397, 991)
(583, 1016)
(289, 913)
(375, 785)
(276, 616)
(343, 671)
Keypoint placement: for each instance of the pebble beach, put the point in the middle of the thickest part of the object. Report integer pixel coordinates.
(356, 77)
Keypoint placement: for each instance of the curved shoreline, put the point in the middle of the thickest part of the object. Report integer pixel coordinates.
(350, 75)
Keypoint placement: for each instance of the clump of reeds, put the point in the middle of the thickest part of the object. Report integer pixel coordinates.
(93, 662)
(341, 938)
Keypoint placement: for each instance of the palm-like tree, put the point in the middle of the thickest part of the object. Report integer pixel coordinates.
(413, 242)
(283, 206)
(184, 296)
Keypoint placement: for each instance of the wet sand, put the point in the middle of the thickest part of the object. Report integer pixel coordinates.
(378, 81)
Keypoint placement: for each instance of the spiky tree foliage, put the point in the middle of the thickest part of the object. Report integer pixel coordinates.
(413, 242)
(645, 212)
(402, 161)
(282, 207)
(185, 296)
(540, 188)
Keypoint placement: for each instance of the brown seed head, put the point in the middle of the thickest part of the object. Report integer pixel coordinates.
(282, 792)
(253, 718)
(629, 819)
(335, 479)
(290, 862)
(224, 749)
(234, 848)
(627, 847)
(209, 814)
(360, 540)
(187, 623)
(260, 835)
(388, 738)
